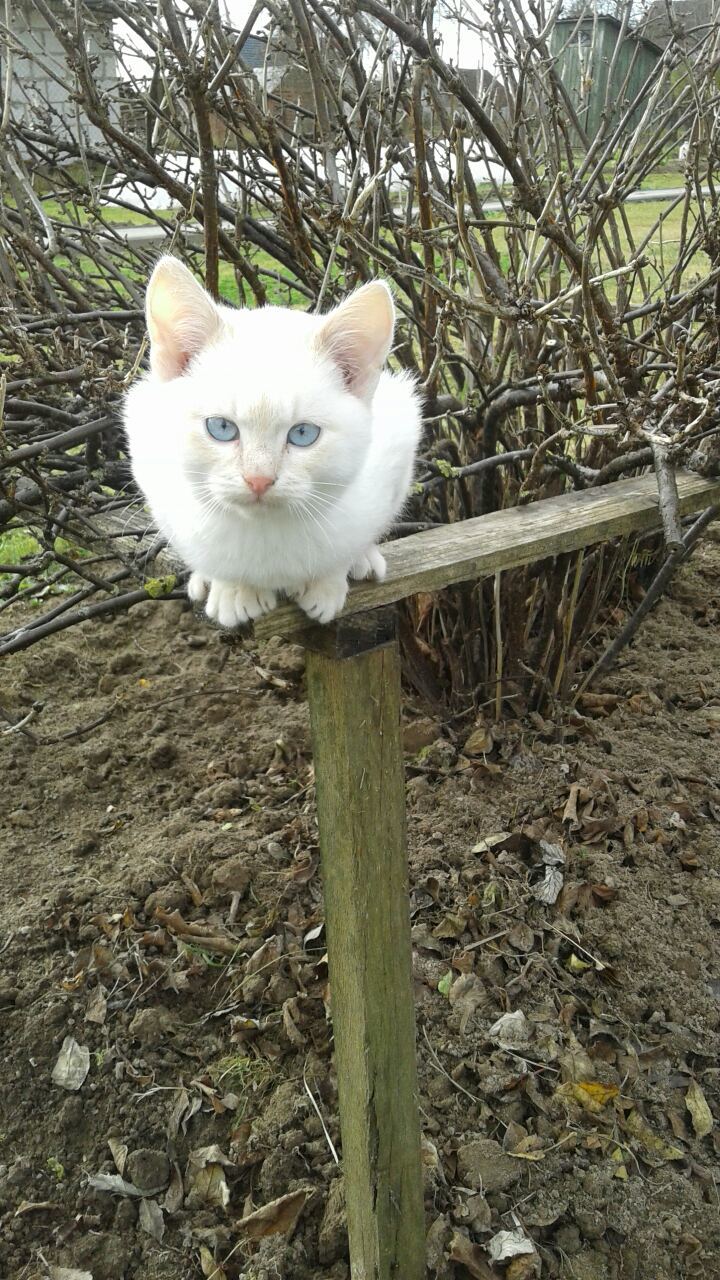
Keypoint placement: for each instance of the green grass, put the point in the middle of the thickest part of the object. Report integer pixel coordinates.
(19, 545)
(113, 213)
(277, 293)
(668, 176)
(663, 247)
(15, 546)
(661, 254)
(661, 251)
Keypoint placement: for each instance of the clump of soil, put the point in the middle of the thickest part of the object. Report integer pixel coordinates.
(161, 938)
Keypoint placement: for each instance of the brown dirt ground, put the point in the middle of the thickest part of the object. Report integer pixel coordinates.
(191, 805)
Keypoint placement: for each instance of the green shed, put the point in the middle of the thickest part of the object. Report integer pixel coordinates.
(598, 81)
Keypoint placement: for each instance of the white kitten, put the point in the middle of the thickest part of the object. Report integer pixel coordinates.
(272, 450)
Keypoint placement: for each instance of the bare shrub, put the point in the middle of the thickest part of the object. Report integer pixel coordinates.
(559, 337)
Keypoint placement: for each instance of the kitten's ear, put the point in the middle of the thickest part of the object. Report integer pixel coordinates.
(358, 336)
(181, 318)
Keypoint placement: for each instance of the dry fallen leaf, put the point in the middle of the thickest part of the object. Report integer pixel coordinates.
(553, 858)
(96, 1008)
(526, 1267)
(435, 1243)
(700, 1113)
(114, 1183)
(69, 1273)
(548, 890)
(72, 1066)
(551, 854)
(208, 1185)
(183, 1112)
(521, 937)
(481, 740)
(175, 1193)
(509, 1244)
(471, 1257)
(33, 1206)
(530, 1148)
(466, 995)
(202, 1156)
(494, 841)
(570, 813)
(677, 1123)
(211, 1269)
(119, 1152)
(205, 1178)
(574, 1061)
(653, 1146)
(291, 1016)
(452, 925)
(279, 1217)
(589, 1094)
(511, 1031)
(151, 1219)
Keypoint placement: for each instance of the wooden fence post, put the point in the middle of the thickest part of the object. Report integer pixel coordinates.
(353, 671)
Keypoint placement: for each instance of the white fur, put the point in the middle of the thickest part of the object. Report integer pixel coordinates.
(267, 370)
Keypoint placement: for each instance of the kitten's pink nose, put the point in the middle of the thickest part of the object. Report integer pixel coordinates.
(259, 484)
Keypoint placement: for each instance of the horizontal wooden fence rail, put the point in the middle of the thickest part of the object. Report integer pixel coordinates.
(478, 548)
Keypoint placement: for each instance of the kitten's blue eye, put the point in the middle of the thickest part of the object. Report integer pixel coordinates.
(303, 434)
(221, 429)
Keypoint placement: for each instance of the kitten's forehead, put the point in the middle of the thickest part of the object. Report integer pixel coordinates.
(263, 368)
(262, 412)
(257, 393)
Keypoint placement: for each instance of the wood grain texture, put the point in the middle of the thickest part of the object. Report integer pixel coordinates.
(480, 547)
(355, 717)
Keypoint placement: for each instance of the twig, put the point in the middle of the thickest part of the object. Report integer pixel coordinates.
(477, 468)
(668, 491)
(63, 440)
(20, 724)
(498, 647)
(439, 1066)
(23, 638)
(651, 597)
(320, 1117)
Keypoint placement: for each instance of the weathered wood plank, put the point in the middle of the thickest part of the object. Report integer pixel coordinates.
(480, 547)
(355, 717)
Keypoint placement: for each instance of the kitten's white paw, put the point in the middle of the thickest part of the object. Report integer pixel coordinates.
(323, 600)
(371, 565)
(231, 604)
(197, 588)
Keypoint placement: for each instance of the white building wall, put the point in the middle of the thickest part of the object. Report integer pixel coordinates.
(41, 76)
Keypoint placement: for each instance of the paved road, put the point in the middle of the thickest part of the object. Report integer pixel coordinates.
(153, 233)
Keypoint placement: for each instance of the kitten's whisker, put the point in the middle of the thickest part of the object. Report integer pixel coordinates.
(208, 514)
(306, 514)
(317, 518)
(297, 510)
(318, 501)
(322, 503)
(208, 510)
(130, 513)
